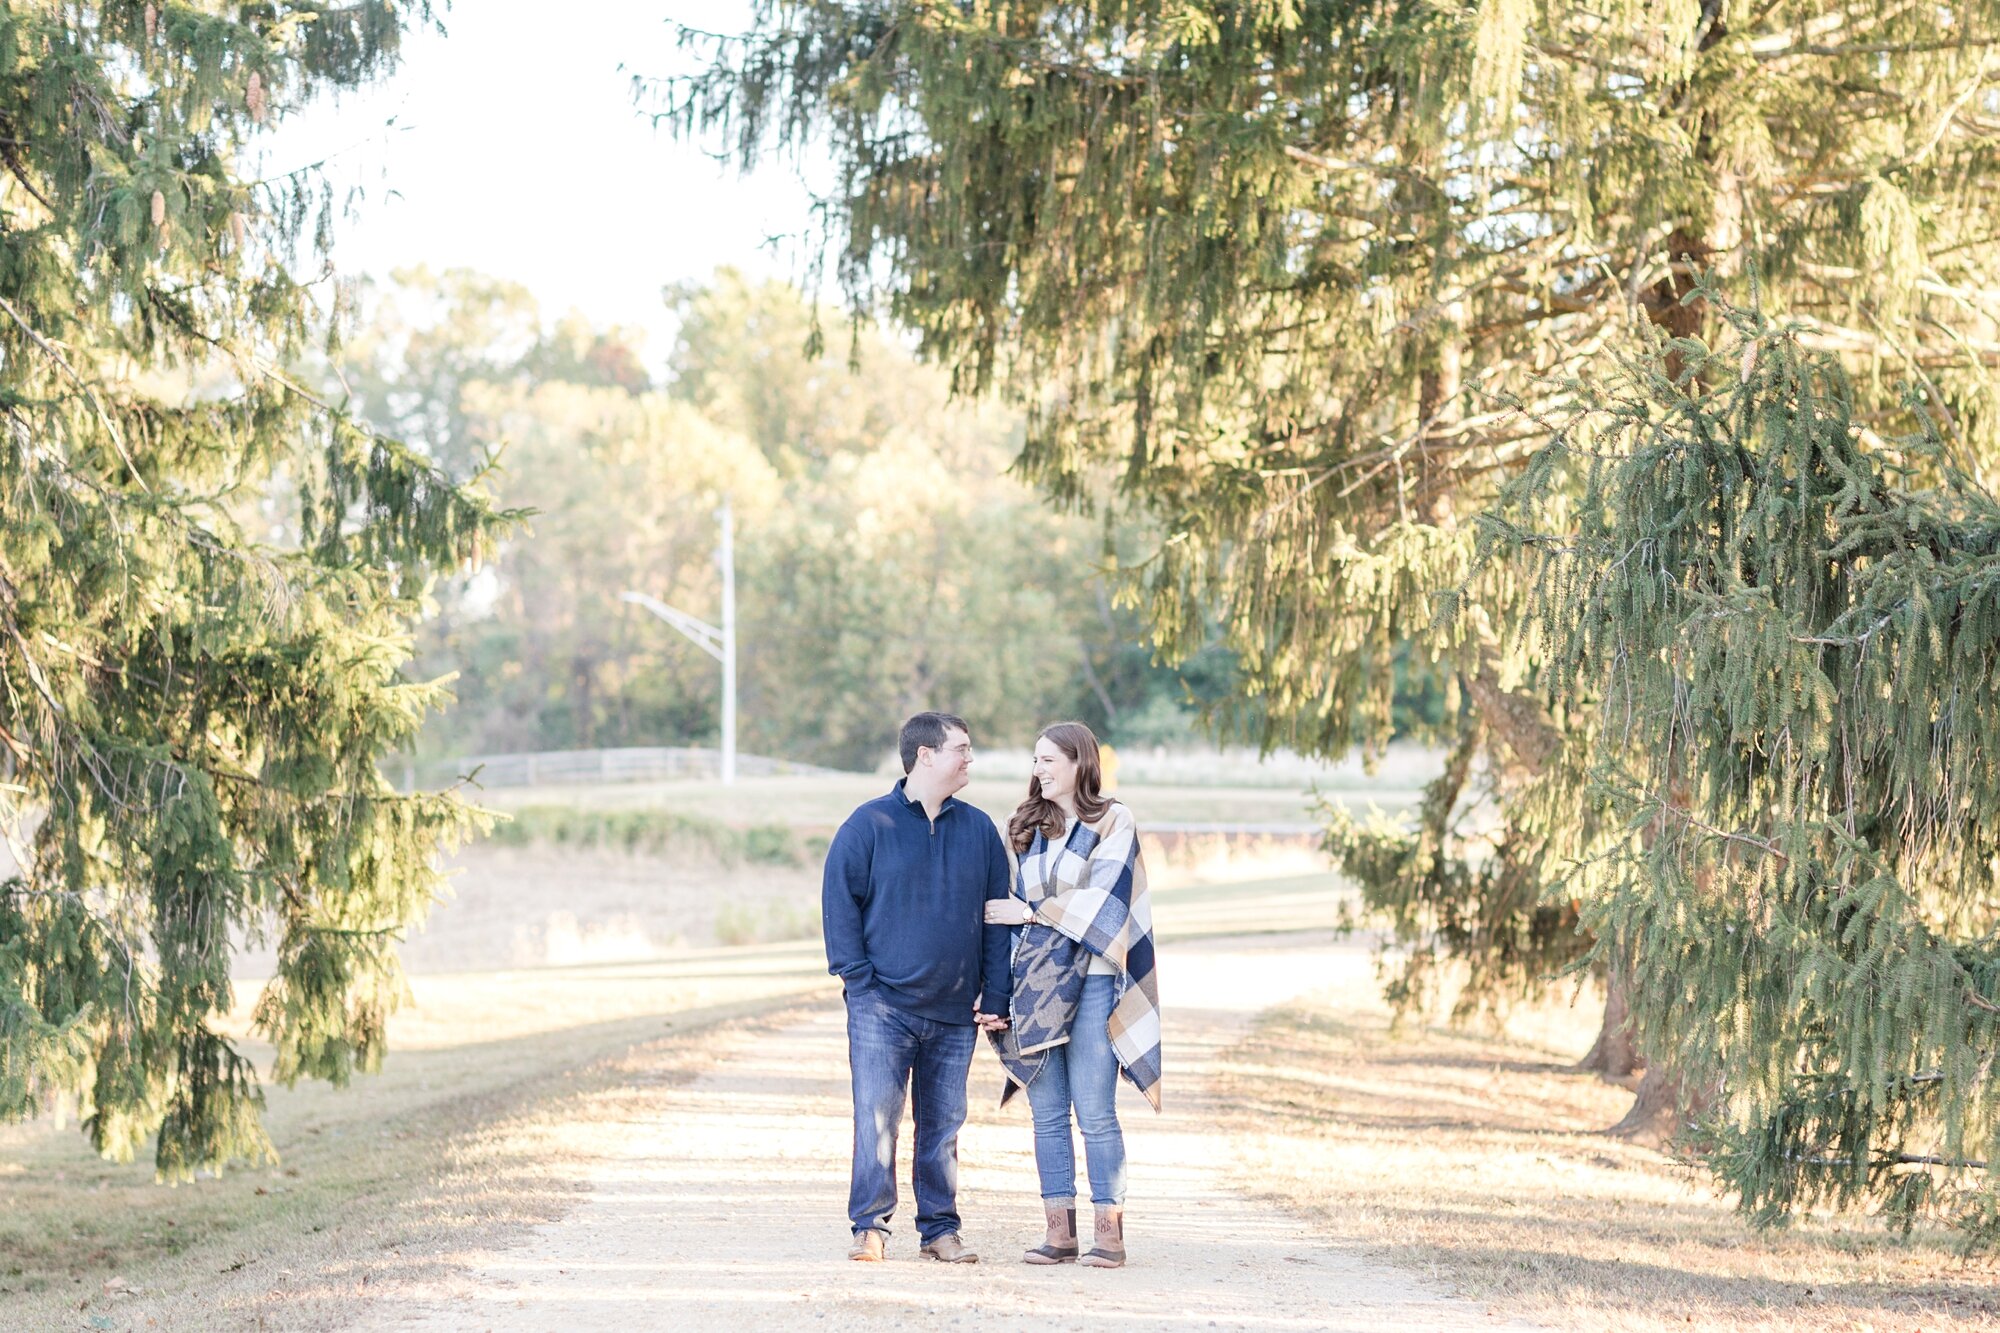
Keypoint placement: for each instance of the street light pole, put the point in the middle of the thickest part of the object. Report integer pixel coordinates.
(719, 644)
(727, 556)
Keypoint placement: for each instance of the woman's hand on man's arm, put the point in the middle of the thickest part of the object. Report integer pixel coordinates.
(1008, 912)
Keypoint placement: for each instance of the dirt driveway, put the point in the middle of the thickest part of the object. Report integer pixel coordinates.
(722, 1206)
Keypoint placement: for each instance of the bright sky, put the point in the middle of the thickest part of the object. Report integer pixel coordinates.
(516, 149)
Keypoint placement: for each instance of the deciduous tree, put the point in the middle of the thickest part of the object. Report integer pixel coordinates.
(884, 560)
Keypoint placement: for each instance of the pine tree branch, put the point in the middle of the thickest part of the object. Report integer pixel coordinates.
(1822, 335)
(257, 366)
(354, 932)
(391, 797)
(1822, 26)
(1932, 284)
(10, 153)
(1769, 54)
(1689, 818)
(1893, 1159)
(1339, 165)
(17, 888)
(1849, 640)
(8, 599)
(17, 845)
(104, 418)
(1577, 56)
(1972, 88)
(191, 531)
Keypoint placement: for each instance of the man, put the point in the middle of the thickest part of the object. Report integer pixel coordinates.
(904, 903)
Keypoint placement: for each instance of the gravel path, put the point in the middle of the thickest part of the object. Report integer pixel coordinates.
(724, 1208)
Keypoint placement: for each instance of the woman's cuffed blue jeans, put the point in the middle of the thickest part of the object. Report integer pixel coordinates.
(1082, 1072)
(888, 1051)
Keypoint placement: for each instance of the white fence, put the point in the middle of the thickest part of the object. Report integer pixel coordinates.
(638, 763)
(1405, 767)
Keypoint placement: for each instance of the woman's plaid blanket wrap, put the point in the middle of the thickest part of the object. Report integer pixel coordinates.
(1089, 896)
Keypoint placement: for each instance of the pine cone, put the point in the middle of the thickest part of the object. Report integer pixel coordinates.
(237, 228)
(152, 22)
(159, 208)
(253, 97)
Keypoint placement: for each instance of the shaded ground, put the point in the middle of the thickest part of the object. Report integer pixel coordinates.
(1475, 1156)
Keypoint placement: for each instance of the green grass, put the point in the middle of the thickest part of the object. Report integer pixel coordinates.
(776, 922)
(658, 832)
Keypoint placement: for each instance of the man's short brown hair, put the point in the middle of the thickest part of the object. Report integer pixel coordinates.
(926, 730)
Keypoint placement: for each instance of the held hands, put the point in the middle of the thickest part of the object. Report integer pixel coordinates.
(1008, 912)
(1002, 912)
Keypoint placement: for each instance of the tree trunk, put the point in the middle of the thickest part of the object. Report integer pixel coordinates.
(1662, 1106)
(1522, 725)
(1516, 717)
(1655, 1111)
(1614, 1057)
(1531, 742)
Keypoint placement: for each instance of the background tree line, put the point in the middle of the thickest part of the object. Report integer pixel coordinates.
(886, 561)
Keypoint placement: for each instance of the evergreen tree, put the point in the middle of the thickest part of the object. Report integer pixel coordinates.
(1304, 279)
(1792, 627)
(190, 715)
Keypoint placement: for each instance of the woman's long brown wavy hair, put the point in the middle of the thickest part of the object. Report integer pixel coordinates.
(1038, 814)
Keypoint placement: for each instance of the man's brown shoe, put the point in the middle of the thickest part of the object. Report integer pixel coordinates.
(949, 1249)
(867, 1247)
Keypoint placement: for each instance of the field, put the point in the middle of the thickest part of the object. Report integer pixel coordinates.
(622, 874)
(822, 802)
(552, 971)
(566, 977)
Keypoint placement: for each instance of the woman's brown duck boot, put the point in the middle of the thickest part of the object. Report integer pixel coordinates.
(1107, 1248)
(1060, 1246)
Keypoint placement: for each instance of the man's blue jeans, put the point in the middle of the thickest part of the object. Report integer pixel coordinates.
(1084, 1072)
(890, 1050)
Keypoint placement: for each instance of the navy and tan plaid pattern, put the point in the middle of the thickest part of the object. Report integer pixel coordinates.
(1089, 896)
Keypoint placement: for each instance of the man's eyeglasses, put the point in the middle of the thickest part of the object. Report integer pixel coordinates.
(965, 749)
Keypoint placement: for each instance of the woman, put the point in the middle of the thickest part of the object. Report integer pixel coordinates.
(1085, 1002)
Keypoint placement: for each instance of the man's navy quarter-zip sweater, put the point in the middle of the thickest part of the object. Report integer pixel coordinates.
(904, 907)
